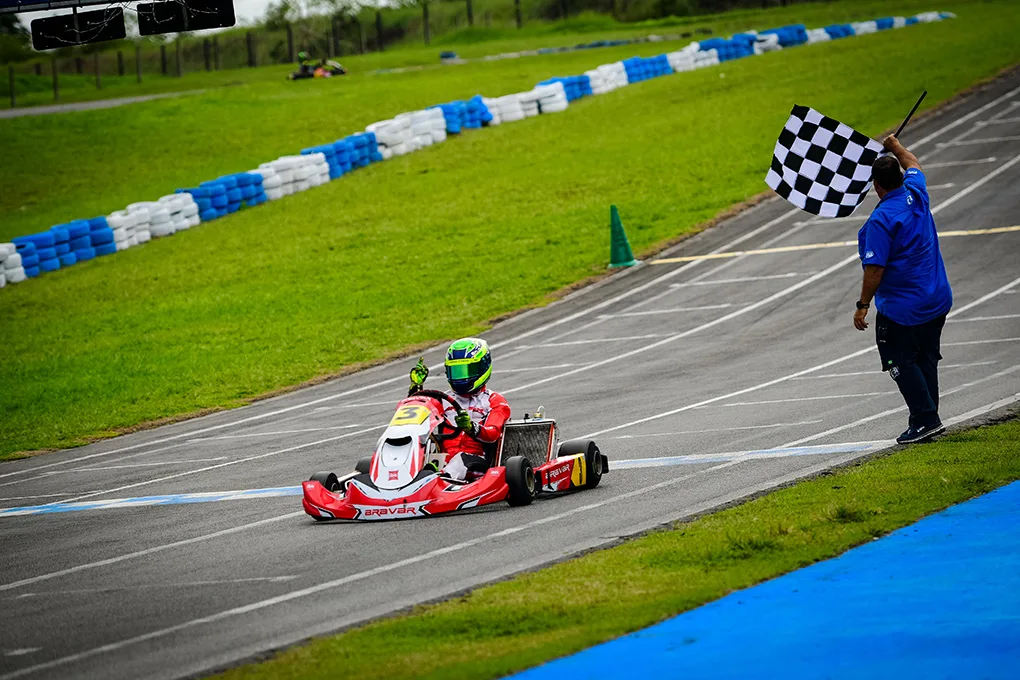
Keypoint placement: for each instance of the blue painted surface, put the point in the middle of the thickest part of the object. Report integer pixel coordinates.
(138, 501)
(937, 599)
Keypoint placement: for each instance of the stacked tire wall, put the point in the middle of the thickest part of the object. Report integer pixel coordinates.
(66, 245)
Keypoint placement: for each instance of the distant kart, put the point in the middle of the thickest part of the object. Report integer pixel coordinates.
(326, 69)
(398, 482)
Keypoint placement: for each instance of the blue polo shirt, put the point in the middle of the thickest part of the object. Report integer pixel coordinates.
(900, 236)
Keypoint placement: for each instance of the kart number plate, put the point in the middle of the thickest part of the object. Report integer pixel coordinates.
(410, 415)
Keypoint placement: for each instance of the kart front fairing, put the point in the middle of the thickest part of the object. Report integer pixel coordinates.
(398, 484)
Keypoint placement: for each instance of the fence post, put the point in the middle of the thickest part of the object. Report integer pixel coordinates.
(471, 14)
(425, 20)
(38, 68)
(95, 67)
(330, 31)
(517, 11)
(56, 86)
(363, 36)
(79, 65)
(10, 76)
(162, 59)
(250, 39)
(180, 67)
(138, 63)
(378, 31)
(290, 44)
(206, 54)
(216, 53)
(120, 63)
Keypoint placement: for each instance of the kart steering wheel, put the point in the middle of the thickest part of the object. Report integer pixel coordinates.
(443, 396)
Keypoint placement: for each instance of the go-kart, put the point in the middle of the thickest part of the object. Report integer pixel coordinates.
(405, 476)
(327, 68)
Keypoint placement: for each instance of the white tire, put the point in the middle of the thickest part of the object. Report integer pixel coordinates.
(144, 236)
(194, 221)
(159, 217)
(123, 245)
(160, 230)
(118, 219)
(16, 275)
(182, 225)
(132, 241)
(272, 182)
(13, 261)
(7, 249)
(120, 235)
(3, 279)
(190, 210)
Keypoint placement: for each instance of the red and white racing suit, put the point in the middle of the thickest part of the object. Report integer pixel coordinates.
(489, 412)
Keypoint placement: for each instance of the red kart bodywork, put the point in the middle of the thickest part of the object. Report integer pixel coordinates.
(399, 486)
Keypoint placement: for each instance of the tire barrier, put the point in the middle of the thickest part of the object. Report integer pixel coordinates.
(81, 240)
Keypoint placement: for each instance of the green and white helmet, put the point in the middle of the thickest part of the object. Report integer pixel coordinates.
(468, 365)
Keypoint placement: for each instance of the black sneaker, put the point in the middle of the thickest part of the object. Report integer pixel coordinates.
(915, 435)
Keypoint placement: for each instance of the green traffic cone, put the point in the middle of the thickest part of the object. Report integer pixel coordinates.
(620, 254)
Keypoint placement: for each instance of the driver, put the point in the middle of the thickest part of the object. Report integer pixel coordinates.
(305, 64)
(468, 369)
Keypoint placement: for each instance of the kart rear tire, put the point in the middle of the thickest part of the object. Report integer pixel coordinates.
(364, 465)
(520, 478)
(594, 461)
(327, 479)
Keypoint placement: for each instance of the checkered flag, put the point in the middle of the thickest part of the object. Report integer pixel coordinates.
(821, 165)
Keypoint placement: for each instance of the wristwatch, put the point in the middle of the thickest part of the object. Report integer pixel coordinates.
(863, 305)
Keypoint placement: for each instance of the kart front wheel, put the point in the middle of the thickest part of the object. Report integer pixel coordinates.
(327, 479)
(595, 463)
(364, 465)
(520, 478)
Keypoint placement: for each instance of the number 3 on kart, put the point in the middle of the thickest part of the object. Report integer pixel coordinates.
(410, 415)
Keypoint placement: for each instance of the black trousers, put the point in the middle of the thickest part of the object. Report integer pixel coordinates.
(911, 356)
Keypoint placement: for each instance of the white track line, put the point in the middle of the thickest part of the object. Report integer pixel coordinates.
(953, 164)
(697, 329)
(791, 376)
(900, 409)
(991, 341)
(147, 551)
(986, 318)
(273, 434)
(798, 399)
(352, 578)
(716, 429)
(672, 310)
(963, 119)
(856, 373)
(223, 465)
(742, 279)
(596, 341)
(986, 140)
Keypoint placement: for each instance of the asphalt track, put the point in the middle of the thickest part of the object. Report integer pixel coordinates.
(713, 379)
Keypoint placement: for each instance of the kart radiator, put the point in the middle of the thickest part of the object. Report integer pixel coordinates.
(529, 438)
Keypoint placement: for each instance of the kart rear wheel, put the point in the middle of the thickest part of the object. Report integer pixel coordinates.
(327, 479)
(520, 478)
(364, 465)
(594, 461)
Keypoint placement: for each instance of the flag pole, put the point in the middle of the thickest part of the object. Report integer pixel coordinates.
(911, 114)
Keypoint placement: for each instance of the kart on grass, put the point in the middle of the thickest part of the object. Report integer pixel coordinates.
(326, 68)
(400, 481)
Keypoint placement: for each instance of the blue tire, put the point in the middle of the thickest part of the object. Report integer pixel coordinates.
(62, 248)
(67, 259)
(32, 272)
(106, 249)
(208, 215)
(219, 201)
(83, 254)
(29, 261)
(46, 254)
(41, 240)
(82, 242)
(98, 223)
(51, 265)
(233, 207)
(229, 181)
(60, 234)
(77, 229)
(248, 191)
(234, 196)
(102, 236)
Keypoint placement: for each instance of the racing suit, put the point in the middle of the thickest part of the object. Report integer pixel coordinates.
(489, 412)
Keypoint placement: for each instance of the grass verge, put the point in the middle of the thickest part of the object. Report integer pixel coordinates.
(513, 625)
(493, 221)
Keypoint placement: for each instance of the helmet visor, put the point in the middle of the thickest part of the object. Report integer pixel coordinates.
(463, 371)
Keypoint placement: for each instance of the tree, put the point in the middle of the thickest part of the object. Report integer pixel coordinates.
(15, 39)
(279, 14)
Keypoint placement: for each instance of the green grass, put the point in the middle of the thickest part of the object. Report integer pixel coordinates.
(469, 43)
(535, 617)
(332, 277)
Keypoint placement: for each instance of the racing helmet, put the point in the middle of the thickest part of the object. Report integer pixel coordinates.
(302, 56)
(468, 365)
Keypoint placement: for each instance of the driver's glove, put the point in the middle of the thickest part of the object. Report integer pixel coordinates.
(465, 423)
(419, 373)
